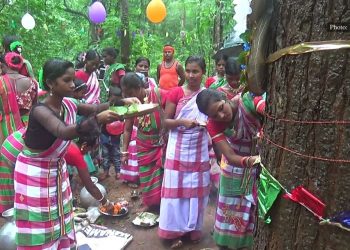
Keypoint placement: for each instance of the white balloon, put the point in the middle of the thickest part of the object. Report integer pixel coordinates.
(28, 21)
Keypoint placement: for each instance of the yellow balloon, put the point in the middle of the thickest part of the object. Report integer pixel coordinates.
(156, 11)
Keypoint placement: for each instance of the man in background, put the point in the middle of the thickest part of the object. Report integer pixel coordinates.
(170, 72)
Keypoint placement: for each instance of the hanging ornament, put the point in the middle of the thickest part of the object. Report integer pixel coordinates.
(28, 21)
(156, 11)
(97, 13)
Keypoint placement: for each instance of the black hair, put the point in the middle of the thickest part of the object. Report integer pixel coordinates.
(113, 52)
(197, 59)
(79, 84)
(90, 140)
(2, 59)
(7, 40)
(206, 97)
(91, 55)
(83, 57)
(16, 59)
(220, 57)
(132, 81)
(142, 58)
(53, 69)
(231, 67)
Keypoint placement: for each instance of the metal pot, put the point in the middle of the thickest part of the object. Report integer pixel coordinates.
(8, 231)
(86, 199)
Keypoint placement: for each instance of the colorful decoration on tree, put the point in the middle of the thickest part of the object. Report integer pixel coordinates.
(269, 188)
(28, 21)
(308, 200)
(307, 47)
(97, 13)
(156, 11)
(341, 220)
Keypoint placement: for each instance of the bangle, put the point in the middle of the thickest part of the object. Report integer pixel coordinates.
(124, 152)
(248, 158)
(101, 198)
(106, 203)
(243, 161)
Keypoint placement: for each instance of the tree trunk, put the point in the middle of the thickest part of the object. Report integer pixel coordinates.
(313, 86)
(218, 26)
(125, 38)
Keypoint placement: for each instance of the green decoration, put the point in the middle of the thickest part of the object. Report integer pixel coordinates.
(82, 31)
(269, 188)
(120, 110)
(41, 78)
(15, 44)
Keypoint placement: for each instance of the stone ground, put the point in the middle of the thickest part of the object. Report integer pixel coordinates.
(147, 238)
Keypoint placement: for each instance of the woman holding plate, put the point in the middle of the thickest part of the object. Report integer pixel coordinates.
(149, 142)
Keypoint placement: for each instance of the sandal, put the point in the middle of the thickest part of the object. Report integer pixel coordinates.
(176, 244)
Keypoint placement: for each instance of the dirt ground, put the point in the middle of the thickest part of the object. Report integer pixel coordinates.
(147, 238)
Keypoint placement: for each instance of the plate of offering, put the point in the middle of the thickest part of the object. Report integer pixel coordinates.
(118, 210)
(145, 219)
(134, 110)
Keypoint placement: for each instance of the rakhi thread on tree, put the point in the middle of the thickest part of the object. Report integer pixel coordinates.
(304, 155)
(341, 220)
(338, 122)
(308, 47)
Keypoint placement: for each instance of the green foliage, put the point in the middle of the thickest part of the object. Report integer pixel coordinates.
(189, 27)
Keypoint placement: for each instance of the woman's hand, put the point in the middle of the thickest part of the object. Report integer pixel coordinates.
(124, 158)
(131, 100)
(107, 116)
(109, 207)
(251, 160)
(189, 123)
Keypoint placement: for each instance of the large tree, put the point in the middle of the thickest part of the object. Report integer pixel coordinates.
(307, 87)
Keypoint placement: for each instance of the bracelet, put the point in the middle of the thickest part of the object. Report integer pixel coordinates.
(243, 161)
(101, 198)
(248, 158)
(106, 203)
(124, 152)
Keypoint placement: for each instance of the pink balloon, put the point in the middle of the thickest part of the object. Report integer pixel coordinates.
(97, 12)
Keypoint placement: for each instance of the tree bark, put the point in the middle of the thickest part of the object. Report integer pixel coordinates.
(218, 26)
(125, 38)
(313, 86)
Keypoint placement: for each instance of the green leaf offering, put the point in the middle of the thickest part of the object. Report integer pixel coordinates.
(120, 110)
(132, 108)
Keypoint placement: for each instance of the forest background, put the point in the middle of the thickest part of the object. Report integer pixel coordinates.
(64, 30)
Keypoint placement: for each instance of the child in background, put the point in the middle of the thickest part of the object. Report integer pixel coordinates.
(110, 143)
(79, 94)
